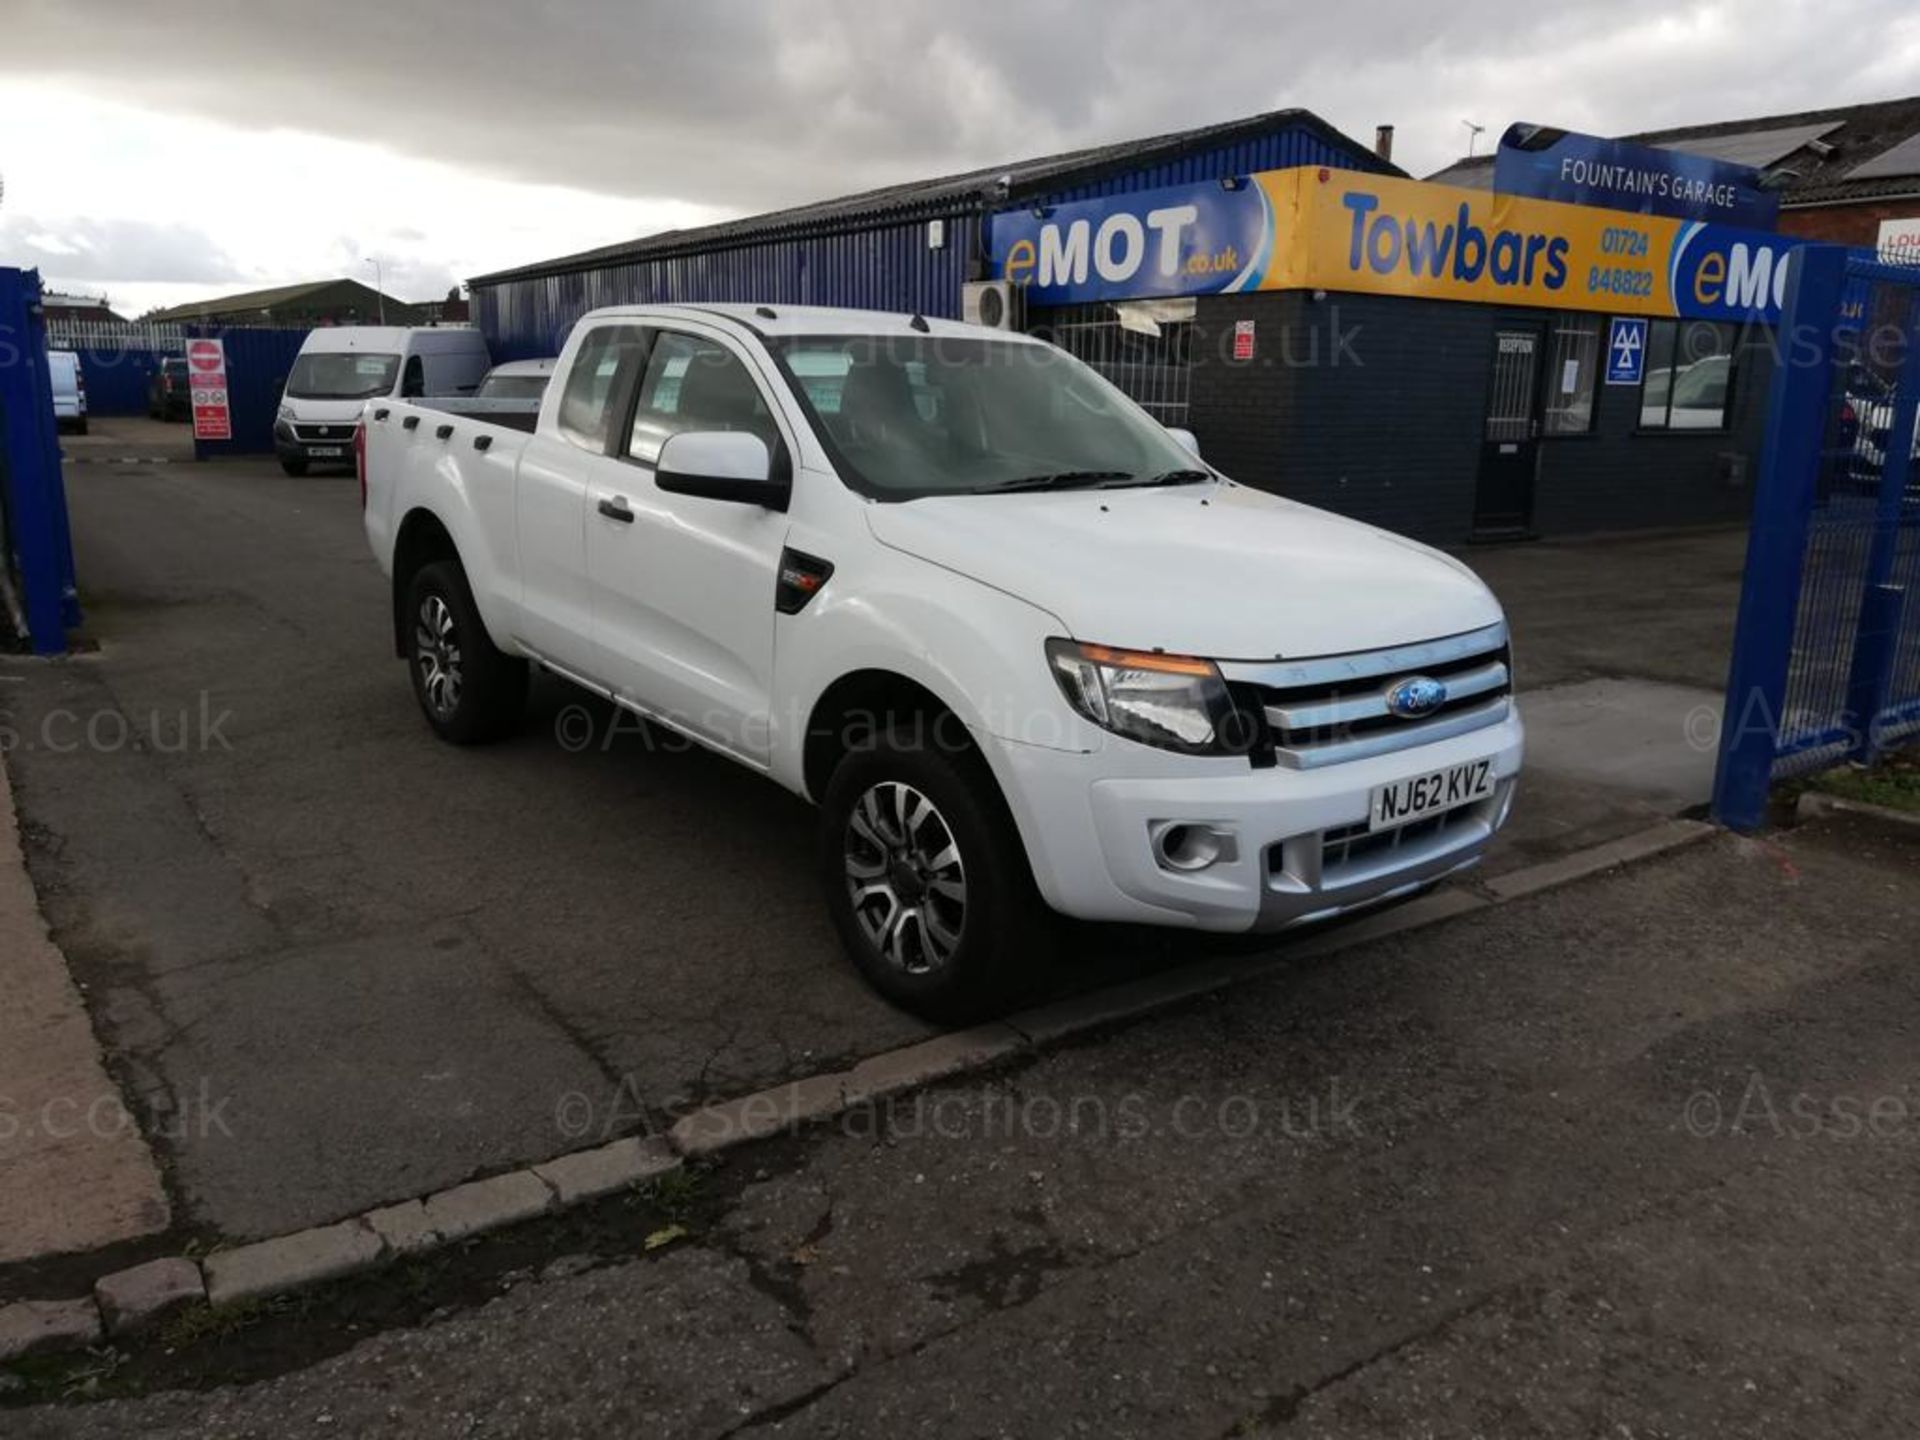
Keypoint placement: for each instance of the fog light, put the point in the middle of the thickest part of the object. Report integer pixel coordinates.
(1187, 846)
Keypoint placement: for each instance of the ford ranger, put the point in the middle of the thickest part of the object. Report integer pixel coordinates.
(1024, 650)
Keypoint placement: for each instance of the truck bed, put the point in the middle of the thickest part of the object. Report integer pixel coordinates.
(512, 414)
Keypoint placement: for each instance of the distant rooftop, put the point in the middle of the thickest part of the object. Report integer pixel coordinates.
(255, 301)
(1825, 157)
(943, 196)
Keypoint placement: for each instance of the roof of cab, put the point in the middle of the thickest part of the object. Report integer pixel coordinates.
(777, 320)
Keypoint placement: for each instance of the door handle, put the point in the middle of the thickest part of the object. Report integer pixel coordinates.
(616, 509)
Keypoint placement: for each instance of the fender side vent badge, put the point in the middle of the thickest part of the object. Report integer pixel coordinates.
(802, 577)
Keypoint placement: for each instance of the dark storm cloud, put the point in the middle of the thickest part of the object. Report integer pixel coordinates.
(749, 106)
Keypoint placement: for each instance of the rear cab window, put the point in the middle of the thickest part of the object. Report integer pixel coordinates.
(589, 393)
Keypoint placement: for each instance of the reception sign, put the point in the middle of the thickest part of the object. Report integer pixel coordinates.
(1340, 230)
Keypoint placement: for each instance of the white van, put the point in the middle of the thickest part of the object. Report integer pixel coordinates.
(342, 367)
(69, 391)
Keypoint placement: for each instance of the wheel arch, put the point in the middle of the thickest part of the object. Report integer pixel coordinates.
(423, 538)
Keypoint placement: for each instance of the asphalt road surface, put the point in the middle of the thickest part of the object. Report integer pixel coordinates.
(1634, 1158)
(338, 963)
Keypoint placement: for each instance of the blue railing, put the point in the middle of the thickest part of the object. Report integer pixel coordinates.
(1826, 662)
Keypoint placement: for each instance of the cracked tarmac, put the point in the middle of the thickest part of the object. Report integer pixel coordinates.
(337, 964)
(1461, 1182)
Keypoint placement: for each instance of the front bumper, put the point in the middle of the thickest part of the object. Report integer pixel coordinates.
(290, 444)
(1297, 848)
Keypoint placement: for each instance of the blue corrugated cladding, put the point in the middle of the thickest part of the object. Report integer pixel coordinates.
(883, 266)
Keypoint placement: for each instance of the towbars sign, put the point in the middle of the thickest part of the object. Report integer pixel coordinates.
(1185, 240)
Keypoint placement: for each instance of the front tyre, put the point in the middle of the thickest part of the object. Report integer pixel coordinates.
(295, 468)
(926, 878)
(469, 691)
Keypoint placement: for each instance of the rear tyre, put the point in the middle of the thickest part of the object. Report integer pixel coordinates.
(80, 428)
(926, 878)
(469, 691)
(295, 468)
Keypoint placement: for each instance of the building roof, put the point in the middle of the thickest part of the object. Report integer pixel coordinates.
(272, 299)
(948, 194)
(1826, 157)
(60, 300)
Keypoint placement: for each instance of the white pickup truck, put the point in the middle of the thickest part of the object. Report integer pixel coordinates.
(1019, 644)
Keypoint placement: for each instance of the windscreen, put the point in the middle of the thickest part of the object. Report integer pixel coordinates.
(512, 387)
(944, 414)
(342, 375)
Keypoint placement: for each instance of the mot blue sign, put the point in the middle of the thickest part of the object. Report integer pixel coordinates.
(1627, 351)
(1549, 164)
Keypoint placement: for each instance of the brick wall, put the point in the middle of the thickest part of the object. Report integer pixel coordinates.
(1847, 224)
(1366, 405)
(1616, 478)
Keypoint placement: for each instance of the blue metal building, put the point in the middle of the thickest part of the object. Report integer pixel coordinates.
(906, 247)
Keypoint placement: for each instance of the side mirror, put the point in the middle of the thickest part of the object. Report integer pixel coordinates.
(1186, 440)
(721, 465)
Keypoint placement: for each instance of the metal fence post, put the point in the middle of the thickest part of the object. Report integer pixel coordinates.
(1877, 641)
(35, 493)
(1777, 542)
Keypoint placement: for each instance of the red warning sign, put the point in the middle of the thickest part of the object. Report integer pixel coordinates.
(207, 380)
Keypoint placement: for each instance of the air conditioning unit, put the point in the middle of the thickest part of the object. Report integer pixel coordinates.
(997, 304)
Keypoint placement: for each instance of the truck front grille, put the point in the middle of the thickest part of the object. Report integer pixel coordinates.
(1333, 709)
(340, 434)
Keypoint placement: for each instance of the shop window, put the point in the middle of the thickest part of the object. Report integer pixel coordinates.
(1689, 375)
(1573, 355)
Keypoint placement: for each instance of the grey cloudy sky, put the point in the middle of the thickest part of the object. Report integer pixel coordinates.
(442, 137)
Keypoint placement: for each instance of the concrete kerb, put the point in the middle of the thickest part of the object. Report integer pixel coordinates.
(1812, 805)
(310, 1257)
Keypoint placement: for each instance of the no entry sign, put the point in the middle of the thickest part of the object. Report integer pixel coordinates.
(207, 379)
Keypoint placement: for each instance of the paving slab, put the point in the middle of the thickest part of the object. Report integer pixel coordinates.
(75, 1172)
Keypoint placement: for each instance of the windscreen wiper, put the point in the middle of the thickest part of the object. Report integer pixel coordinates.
(1057, 480)
(1165, 477)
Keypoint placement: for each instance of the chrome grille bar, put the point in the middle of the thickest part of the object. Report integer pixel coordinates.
(1318, 715)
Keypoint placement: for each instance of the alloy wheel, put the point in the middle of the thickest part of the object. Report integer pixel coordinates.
(436, 646)
(906, 877)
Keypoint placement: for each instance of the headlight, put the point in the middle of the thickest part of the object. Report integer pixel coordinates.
(286, 412)
(1176, 702)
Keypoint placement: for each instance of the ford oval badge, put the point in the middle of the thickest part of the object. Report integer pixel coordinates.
(1416, 697)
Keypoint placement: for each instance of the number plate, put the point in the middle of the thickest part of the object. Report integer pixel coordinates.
(1428, 794)
(325, 452)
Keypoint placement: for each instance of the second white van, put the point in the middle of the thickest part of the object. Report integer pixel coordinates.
(69, 391)
(342, 367)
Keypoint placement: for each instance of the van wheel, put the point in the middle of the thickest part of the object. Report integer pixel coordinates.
(469, 691)
(927, 880)
(80, 427)
(295, 468)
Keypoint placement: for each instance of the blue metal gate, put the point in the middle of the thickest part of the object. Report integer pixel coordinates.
(1826, 662)
(36, 552)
